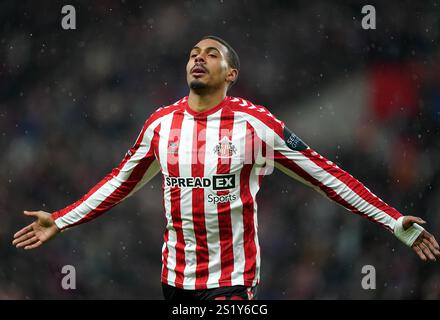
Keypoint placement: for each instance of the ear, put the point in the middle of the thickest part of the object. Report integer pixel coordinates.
(232, 75)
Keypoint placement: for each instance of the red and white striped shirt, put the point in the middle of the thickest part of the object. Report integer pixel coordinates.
(213, 163)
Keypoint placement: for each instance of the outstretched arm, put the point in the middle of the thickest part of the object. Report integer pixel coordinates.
(299, 161)
(291, 155)
(137, 168)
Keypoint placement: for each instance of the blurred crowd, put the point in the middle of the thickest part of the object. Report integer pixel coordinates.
(73, 101)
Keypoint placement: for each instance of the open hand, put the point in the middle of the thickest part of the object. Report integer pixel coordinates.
(38, 232)
(425, 245)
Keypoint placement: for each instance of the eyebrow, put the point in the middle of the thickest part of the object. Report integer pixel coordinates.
(208, 49)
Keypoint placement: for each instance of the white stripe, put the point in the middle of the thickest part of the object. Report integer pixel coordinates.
(165, 128)
(254, 187)
(238, 140)
(211, 213)
(172, 241)
(185, 160)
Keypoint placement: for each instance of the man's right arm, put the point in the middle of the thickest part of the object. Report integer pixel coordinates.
(137, 168)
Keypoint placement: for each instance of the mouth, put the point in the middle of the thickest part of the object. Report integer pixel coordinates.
(198, 71)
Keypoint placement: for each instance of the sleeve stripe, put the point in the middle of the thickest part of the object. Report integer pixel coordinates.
(295, 171)
(292, 169)
(335, 189)
(352, 183)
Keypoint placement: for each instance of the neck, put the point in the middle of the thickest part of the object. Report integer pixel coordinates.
(203, 102)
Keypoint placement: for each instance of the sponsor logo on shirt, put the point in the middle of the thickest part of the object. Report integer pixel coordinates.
(216, 182)
(221, 198)
(293, 141)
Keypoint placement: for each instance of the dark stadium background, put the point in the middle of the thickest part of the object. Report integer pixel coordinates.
(72, 102)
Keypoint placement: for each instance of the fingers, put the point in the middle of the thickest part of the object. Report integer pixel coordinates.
(26, 229)
(432, 240)
(429, 241)
(431, 247)
(426, 246)
(23, 231)
(33, 246)
(28, 242)
(419, 252)
(24, 237)
(426, 251)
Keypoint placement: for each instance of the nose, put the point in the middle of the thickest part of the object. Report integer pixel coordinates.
(199, 58)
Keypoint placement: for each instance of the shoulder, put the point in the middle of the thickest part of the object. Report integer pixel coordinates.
(163, 111)
(255, 112)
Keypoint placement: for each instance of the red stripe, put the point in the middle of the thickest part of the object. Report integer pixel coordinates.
(156, 138)
(224, 209)
(250, 249)
(291, 165)
(352, 183)
(166, 235)
(198, 203)
(173, 171)
(165, 258)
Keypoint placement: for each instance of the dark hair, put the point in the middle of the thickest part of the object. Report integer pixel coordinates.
(232, 57)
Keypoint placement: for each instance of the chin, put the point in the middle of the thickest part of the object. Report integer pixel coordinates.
(198, 85)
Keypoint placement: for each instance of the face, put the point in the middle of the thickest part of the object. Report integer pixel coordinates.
(208, 68)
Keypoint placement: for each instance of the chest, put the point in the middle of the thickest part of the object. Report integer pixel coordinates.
(204, 147)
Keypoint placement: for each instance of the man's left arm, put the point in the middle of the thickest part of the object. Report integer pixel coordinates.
(293, 157)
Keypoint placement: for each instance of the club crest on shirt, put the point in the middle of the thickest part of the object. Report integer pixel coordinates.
(172, 147)
(225, 148)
